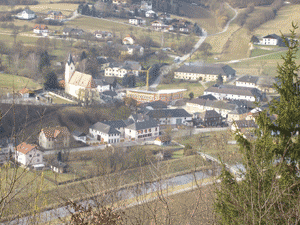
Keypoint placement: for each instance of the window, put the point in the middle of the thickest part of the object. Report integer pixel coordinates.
(30, 155)
(38, 155)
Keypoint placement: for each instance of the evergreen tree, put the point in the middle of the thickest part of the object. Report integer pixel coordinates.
(268, 189)
(50, 81)
(44, 61)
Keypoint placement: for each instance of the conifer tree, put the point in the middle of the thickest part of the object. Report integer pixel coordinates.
(268, 189)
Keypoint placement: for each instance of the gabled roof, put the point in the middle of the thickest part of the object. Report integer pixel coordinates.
(40, 27)
(211, 114)
(110, 93)
(77, 133)
(213, 104)
(82, 79)
(139, 117)
(25, 148)
(56, 132)
(100, 82)
(104, 128)
(70, 59)
(235, 90)
(24, 91)
(248, 79)
(143, 125)
(168, 113)
(58, 164)
(212, 69)
(273, 36)
(115, 123)
(208, 97)
(245, 124)
(28, 11)
(155, 105)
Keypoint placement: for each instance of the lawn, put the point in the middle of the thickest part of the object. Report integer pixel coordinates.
(57, 100)
(178, 154)
(59, 177)
(196, 88)
(65, 8)
(282, 21)
(9, 82)
(257, 52)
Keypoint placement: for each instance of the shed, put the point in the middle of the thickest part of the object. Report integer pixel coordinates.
(58, 166)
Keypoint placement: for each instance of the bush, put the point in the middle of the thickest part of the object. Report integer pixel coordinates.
(187, 152)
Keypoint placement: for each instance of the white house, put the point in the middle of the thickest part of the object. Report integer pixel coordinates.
(79, 136)
(40, 29)
(26, 14)
(101, 85)
(159, 25)
(119, 125)
(143, 129)
(247, 81)
(171, 116)
(272, 39)
(120, 69)
(137, 21)
(28, 155)
(150, 13)
(234, 93)
(129, 40)
(104, 133)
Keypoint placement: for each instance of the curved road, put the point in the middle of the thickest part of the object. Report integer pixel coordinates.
(166, 69)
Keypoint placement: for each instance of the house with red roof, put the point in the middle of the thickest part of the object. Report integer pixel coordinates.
(40, 28)
(29, 155)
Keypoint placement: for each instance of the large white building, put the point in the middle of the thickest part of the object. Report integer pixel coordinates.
(247, 81)
(105, 133)
(171, 116)
(28, 155)
(144, 129)
(272, 39)
(26, 14)
(74, 80)
(234, 93)
(121, 69)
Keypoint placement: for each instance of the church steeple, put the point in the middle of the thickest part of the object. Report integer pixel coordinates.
(70, 60)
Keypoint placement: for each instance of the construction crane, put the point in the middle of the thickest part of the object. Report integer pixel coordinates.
(147, 78)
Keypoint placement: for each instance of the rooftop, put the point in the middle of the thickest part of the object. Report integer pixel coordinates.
(248, 79)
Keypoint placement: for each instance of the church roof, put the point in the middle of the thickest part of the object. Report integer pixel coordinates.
(82, 79)
(70, 59)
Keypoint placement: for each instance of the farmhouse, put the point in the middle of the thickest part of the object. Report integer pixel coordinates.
(54, 138)
(117, 69)
(211, 118)
(247, 81)
(234, 92)
(28, 155)
(272, 39)
(168, 95)
(26, 14)
(137, 21)
(40, 29)
(129, 40)
(205, 72)
(56, 15)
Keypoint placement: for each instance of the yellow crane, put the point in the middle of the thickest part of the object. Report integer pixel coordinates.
(147, 78)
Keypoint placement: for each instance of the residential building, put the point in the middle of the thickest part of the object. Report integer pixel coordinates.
(243, 125)
(129, 40)
(237, 114)
(101, 85)
(26, 93)
(272, 39)
(170, 116)
(119, 125)
(144, 129)
(234, 92)
(58, 167)
(120, 69)
(104, 62)
(163, 140)
(103, 34)
(198, 105)
(159, 25)
(150, 14)
(68, 31)
(210, 118)
(132, 49)
(28, 155)
(104, 133)
(168, 95)
(74, 80)
(137, 21)
(40, 28)
(247, 81)
(26, 14)
(56, 15)
(54, 138)
(205, 72)
(153, 105)
(208, 97)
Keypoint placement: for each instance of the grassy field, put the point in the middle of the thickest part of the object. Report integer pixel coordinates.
(257, 52)
(264, 65)
(196, 88)
(9, 82)
(282, 22)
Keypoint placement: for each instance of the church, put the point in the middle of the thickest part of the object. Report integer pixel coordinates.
(74, 80)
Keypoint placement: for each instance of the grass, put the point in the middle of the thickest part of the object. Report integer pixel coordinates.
(178, 154)
(59, 177)
(65, 8)
(57, 100)
(196, 88)
(9, 82)
(282, 21)
(257, 52)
